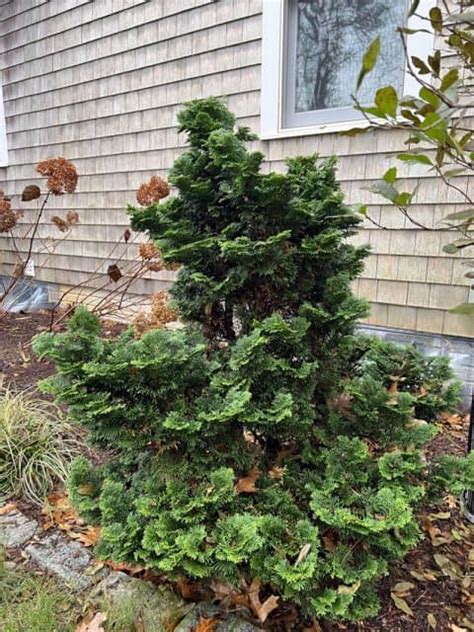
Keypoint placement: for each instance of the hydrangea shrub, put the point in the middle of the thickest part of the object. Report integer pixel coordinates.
(263, 439)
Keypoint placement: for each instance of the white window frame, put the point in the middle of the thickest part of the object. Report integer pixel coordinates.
(274, 36)
(3, 131)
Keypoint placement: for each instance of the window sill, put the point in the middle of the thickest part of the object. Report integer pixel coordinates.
(313, 130)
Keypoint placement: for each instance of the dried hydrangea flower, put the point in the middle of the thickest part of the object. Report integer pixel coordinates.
(153, 191)
(60, 223)
(160, 314)
(61, 173)
(8, 217)
(72, 217)
(148, 251)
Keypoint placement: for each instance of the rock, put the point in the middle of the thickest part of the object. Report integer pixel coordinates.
(70, 561)
(190, 621)
(233, 623)
(158, 608)
(16, 528)
(229, 622)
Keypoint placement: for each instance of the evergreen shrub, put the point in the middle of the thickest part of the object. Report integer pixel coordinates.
(263, 439)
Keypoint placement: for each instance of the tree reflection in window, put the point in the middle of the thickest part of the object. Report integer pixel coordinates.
(332, 36)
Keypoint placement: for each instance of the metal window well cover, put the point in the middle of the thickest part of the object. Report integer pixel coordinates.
(26, 296)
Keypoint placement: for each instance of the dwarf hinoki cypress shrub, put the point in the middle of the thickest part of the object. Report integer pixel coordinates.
(254, 442)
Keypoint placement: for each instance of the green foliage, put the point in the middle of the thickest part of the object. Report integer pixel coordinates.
(438, 131)
(429, 379)
(262, 439)
(36, 445)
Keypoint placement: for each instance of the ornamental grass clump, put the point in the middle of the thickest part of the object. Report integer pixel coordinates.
(251, 447)
(36, 445)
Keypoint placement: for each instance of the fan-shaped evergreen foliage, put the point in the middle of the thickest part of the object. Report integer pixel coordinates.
(262, 439)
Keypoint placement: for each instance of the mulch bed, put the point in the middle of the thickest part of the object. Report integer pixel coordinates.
(438, 575)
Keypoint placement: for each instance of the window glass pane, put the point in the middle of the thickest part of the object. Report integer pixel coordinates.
(331, 38)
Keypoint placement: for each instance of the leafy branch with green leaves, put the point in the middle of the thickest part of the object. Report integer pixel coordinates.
(438, 120)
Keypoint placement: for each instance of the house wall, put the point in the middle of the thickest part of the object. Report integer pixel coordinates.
(101, 82)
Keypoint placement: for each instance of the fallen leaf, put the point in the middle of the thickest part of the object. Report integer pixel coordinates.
(329, 543)
(90, 537)
(315, 627)
(7, 508)
(303, 554)
(349, 590)
(456, 628)
(403, 587)
(442, 515)
(426, 576)
(92, 625)
(432, 621)
(85, 490)
(436, 535)
(448, 566)
(261, 610)
(193, 590)
(206, 625)
(401, 604)
(59, 513)
(276, 472)
(246, 485)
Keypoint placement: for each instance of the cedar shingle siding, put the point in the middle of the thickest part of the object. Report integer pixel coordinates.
(101, 83)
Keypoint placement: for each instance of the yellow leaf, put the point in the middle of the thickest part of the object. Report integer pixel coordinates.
(432, 621)
(401, 604)
(402, 587)
(349, 590)
(442, 515)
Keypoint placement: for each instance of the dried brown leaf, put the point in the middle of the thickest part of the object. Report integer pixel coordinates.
(7, 508)
(276, 472)
(30, 192)
(261, 610)
(246, 485)
(303, 554)
(449, 567)
(94, 624)
(206, 625)
(114, 272)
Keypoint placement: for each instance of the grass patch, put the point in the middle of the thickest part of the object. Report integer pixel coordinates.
(29, 603)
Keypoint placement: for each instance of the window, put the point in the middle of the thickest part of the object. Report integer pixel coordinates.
(312, 54)
(3, 134)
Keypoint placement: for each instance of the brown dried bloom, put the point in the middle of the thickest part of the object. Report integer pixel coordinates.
(72, 217)
(60, 223)
(8, 217)
(160, 314)
(153, 191)
(62, 175)
(148, 251)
